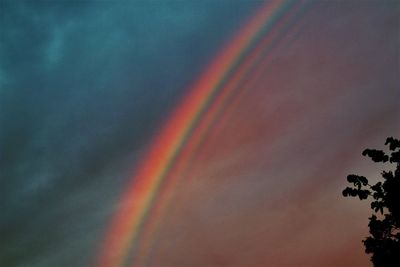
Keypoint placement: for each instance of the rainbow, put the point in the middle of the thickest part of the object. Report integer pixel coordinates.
(135, 223)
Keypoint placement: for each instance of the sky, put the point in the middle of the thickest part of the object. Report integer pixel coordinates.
(88, 88)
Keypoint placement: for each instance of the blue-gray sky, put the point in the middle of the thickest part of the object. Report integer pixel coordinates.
(83, 86)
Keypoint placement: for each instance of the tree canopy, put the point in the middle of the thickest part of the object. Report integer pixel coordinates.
(384, 224)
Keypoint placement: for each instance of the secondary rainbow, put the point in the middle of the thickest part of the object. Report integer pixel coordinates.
(180, 135)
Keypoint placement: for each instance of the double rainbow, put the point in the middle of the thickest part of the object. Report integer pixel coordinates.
(133, 227)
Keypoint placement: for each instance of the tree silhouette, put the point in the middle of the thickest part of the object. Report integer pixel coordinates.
(384, 225)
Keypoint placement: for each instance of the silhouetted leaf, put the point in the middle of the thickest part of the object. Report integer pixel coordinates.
(395, 157)
(363, 180)
(363, 194)
(351, 178)
(376, 155)
(393, 143)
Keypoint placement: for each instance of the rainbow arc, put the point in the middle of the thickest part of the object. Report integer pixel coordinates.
(133, 228)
